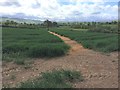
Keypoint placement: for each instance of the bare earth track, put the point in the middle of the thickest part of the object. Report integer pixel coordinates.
(99, 70)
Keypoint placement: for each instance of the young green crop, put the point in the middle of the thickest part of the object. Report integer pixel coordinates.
(104, 42)
(31, 43)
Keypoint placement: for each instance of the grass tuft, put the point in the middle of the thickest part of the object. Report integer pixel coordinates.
(54, 79)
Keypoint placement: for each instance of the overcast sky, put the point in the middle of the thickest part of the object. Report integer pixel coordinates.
(61, 10)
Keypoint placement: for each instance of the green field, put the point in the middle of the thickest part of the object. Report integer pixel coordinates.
(21, 45)
(98, 41)
(30, 43)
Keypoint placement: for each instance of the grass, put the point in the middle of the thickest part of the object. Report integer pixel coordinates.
(49, 50)
(54, 79)
(19, 44)
(105, 29)
(98, 41)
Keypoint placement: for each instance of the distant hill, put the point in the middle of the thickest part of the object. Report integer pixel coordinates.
(21, 20)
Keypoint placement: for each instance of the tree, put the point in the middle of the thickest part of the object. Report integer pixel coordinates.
(12, 22)
(7, 22)
(114, 22)
(15, 23)
(47, 23)
(55, 24)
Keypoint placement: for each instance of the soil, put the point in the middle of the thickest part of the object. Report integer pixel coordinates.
(99, 70)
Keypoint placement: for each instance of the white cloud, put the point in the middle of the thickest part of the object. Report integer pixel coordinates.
(57, 10)
(93, 0)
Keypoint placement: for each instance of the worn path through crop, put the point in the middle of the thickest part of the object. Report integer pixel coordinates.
(99, 70)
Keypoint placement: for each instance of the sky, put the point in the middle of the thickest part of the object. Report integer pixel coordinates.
(61, 10)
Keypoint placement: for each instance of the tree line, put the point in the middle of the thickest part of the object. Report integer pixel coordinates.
(46, 23)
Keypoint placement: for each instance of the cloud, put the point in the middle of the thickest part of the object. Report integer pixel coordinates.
(61, 10)
(37, 5)
(96, 13)
(9, 3)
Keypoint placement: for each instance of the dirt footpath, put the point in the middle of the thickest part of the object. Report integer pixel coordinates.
(99, 70)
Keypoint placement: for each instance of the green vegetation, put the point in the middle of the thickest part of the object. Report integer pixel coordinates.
(54, 79)
(19, 44)
(87, 25)
(105, 29)
(104, 42)
(22, 41)
(14, 24)
(20, 20)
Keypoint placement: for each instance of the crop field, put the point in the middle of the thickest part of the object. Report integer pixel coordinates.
(59, 44)
(98, 41)
(59, 56)
(30, 43)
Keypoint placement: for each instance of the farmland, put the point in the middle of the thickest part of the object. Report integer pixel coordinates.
(30, 43)
(59, 57)
(98, 41)
(59, 44)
